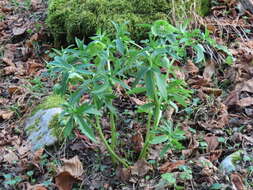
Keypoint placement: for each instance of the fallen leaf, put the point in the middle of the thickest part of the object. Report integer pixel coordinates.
(212, 142)
(124, 174)
(244, 102)
(171, 166)
(191, 68)
(72, 166)
(137, 141)
(214, 91)
(9, 70)
(237, 181)
(71, 170)
(6, 114)
(14, 90)
(141, 168)
(18, 31)
(28, 186)
(10, 157)
(64, 181)
(193, 145)
(8, 61)
(137, 101)
(209, 70)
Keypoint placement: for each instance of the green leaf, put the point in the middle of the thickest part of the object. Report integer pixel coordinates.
(69, 127)
(161, 84)
(101, 88)
(85, 128)
(165, 149)
(159, 139)
(162, 28)
(149, 83)
(139, 75)
(137, 90)
(146, 108)
(120, 46)
(173, 105)
(169, 177)
(200, 53)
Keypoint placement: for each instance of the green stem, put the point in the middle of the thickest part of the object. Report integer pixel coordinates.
(113, 131)
(143, 151)
(108, 147)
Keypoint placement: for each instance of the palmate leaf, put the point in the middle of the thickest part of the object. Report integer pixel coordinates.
(159, 139)
(149, 83)
(200, 53)
(162, 28)
(161, 84)
(84, 127)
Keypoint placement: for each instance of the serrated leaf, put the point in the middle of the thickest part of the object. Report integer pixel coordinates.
(149, 83)
(200, 53)
(84, 127)
(161, 84)
(159, 139)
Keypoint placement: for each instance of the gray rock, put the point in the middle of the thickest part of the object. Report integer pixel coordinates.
(228, 165)
(37, 128)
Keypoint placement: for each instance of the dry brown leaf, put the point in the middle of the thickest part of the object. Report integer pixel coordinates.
(214, 155)
(64, 181)
(6, 114)
(73, 166)
(10, 157)
(18, 31)
(209, 70)
(193, 145)
(23, 149)
(212, 142)
(137, 101)
(9, 70)
(214, 91)
(190, 67)
(171, 166)
(237, 181)
(14, 90)
(244, 102)
(71, 170)
(38, 155)
(141, 168)
(137, 141)
(8, 61)
(124, 174)
(28, 186)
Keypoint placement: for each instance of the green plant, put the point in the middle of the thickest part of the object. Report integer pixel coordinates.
(95, 69)
(11, 180)
(169, 137)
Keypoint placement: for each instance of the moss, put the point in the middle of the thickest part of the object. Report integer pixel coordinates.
(50, 102)
(33, 127)
(205, 7)
(56, 127)
(82, 18)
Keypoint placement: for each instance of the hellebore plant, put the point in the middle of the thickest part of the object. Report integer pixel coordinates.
(89, 73)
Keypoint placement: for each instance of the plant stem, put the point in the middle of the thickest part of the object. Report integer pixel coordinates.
(143, 151)
(113, 131)
(108, 147)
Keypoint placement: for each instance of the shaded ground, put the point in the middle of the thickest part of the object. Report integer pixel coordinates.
(218, 122)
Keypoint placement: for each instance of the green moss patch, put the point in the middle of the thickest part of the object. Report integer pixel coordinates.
(82, 18)
(50, 102)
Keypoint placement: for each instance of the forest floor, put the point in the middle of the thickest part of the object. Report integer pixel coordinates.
(217, 124)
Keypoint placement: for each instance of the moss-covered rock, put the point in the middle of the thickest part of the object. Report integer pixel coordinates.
(43, 127)
(82, 18)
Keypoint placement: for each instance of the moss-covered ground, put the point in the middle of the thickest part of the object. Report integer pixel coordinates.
(68, 19)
